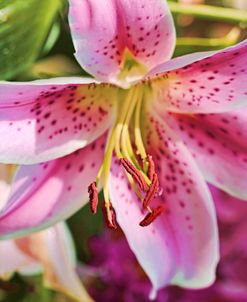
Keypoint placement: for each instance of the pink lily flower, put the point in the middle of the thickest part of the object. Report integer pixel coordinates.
(51, 251)
(149, 131)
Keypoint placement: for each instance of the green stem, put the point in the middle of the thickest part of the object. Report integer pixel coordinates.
(209, 12)
(231, 38)
(186, 45)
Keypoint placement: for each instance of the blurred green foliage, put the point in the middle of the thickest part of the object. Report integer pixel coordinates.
(84, 225)
(24, 26)
(29, 289)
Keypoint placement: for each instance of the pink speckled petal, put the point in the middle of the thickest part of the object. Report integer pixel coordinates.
(46, 193)
(181, 246)
(219, 145)
(54, 250)
(18, 262)
(103, 31)
(203, 83)
(153, 246)
(190, 209)
(41, 121)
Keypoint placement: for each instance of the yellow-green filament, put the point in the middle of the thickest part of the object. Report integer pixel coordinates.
(129, 114)
(138, 136)
(125, 140)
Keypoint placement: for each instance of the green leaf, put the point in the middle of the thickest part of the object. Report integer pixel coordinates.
(24, 27)
(83, 226)
(28, 289)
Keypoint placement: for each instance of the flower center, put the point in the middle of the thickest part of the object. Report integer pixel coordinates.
(131, 70)
(126, 143)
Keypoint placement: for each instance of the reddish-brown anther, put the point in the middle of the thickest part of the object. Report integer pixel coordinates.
(150, 217)
(111, 221)
(153, 189)
(135, 173)
(93, 197)
(151, 167)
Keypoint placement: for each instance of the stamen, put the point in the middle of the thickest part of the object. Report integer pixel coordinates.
(93, 197)
(135, 173)
(110, 215)
(153, 189)
(151, 167)
(128, 146)
(150, 217)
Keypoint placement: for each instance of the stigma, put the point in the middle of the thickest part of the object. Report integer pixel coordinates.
(126, 143)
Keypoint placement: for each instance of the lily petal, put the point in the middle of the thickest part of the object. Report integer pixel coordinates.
(4, 192)
(190, 208)
(204, 82)
(153, 245)
(54, 249)
(180, 246)
(44, 120)
(19, 262)
(107, 34)
(51, 251)
(46, 193)
(219, 145)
